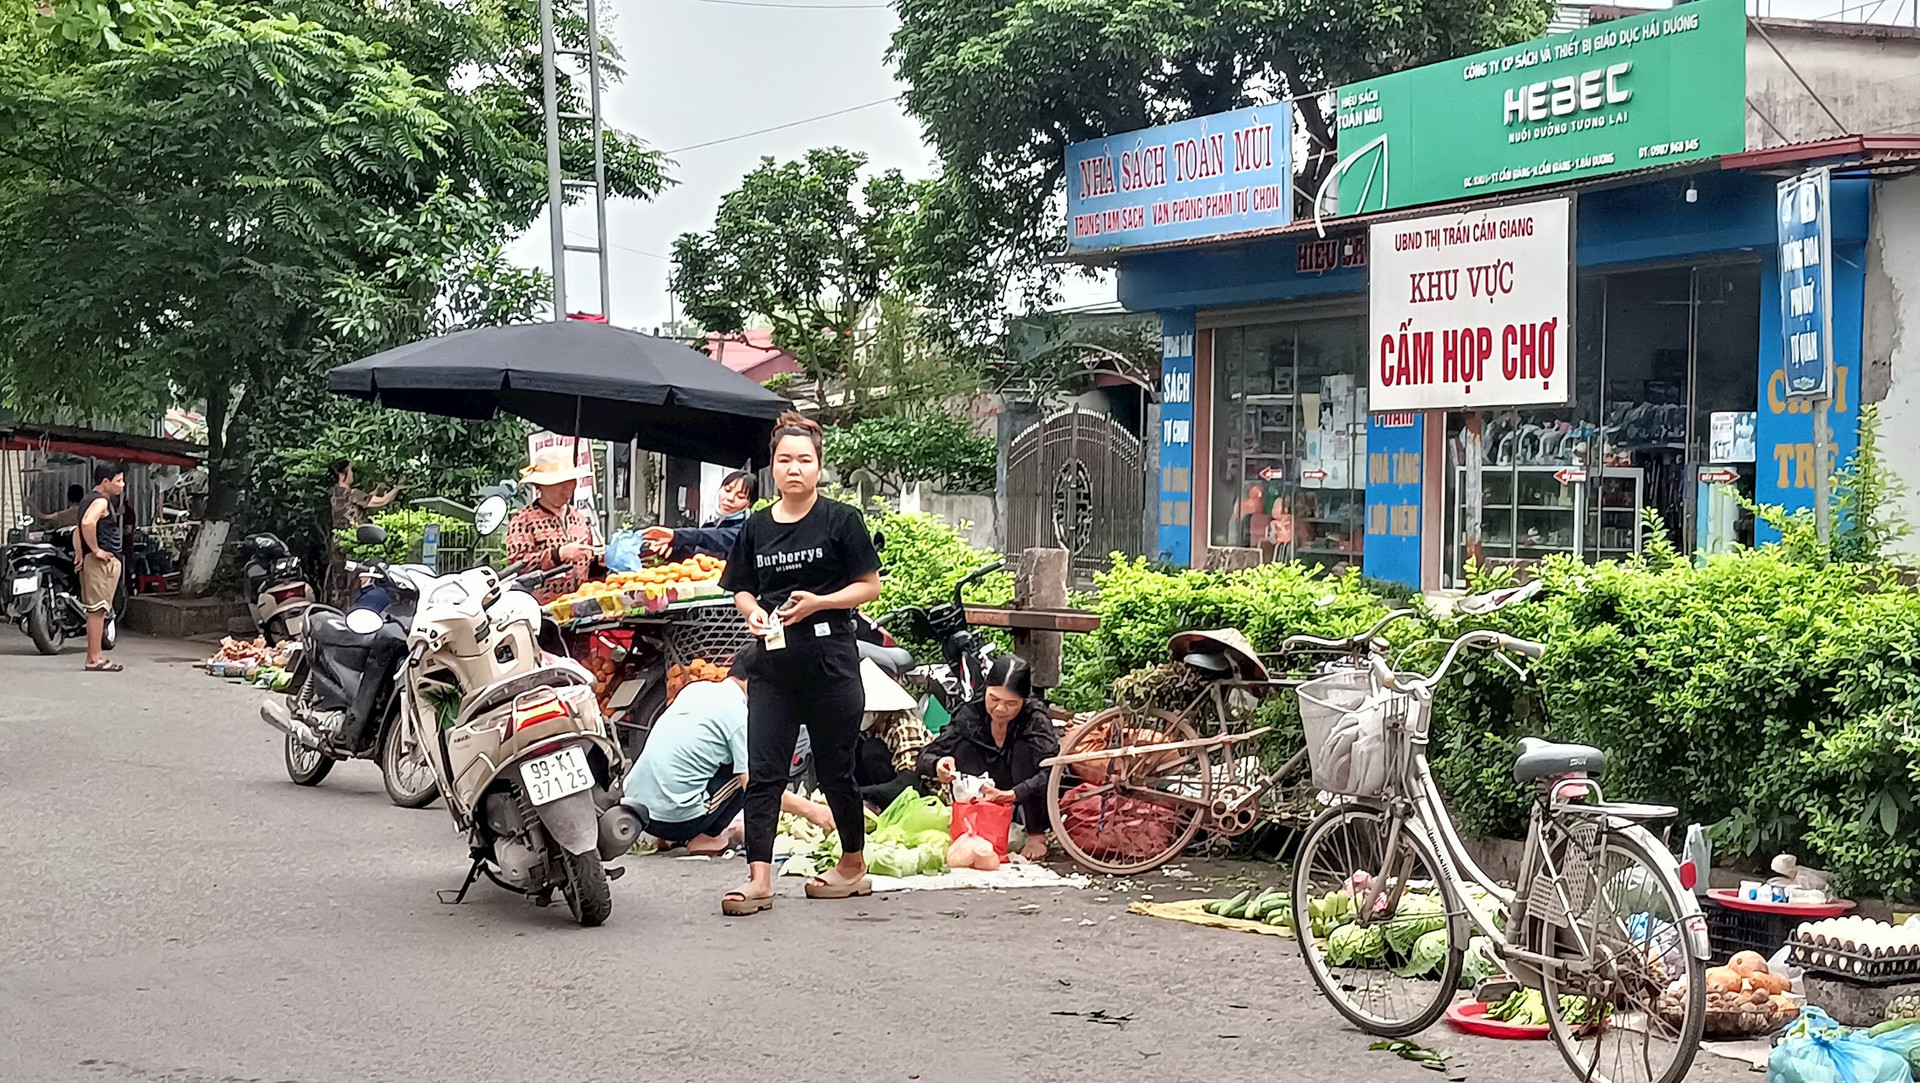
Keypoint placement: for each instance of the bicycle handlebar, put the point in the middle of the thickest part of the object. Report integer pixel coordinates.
(1350, 643)
(1482, 639)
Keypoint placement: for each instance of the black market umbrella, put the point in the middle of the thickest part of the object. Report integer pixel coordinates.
(578, 378)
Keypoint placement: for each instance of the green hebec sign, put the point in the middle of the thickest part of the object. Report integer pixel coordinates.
(1651, 90)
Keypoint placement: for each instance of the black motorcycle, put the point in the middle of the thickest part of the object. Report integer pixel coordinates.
(43, 592)
(343, 699)
(966, 654)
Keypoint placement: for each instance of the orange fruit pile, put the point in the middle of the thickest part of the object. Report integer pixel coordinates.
(691, 570)
(679, 676)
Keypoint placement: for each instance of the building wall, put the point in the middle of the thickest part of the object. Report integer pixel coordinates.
(1891, 353)
(1648, 224)
(1868, 75)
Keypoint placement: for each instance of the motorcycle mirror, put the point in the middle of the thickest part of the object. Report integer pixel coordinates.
(370, 534)
(488, 517)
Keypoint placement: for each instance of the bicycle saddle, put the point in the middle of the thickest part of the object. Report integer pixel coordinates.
(1545, 760)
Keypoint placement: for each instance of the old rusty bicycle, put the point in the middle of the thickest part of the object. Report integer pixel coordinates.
(1134, 785)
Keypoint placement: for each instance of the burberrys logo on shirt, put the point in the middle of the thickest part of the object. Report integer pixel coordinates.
(789, 559)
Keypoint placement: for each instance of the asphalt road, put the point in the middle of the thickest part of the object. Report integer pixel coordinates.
(176, 911)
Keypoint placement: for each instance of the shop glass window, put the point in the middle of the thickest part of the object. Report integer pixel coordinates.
(1290, 413)
(1665, 385)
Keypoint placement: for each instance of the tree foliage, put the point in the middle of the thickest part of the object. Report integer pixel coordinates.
(1004, 86)
(929, 445)
(219, 210)
(806, 246)
(841, 270)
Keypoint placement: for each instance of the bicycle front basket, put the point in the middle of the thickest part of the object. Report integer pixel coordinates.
(1349, 731)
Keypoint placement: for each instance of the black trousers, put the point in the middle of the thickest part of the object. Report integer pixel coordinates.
(813, 682)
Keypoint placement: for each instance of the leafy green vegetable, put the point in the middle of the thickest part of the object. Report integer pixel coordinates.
(1524, 1008)
(1416, 916)
(892, 859)
(1428, 954)
(1351, 945)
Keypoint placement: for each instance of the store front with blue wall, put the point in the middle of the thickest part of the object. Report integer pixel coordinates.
(1678, 398)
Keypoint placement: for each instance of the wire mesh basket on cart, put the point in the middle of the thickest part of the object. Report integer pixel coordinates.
(714, 631)
(1356, 735)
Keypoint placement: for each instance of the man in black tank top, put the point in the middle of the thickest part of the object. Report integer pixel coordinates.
(96, 553)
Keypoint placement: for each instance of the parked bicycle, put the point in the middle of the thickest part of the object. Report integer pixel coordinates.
(1135, 785)
(1602, 920)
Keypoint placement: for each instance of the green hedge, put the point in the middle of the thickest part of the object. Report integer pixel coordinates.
(1772, 697)
(921, 559)
(405, 528)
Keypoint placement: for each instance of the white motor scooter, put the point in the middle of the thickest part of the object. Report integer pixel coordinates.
(524, 760)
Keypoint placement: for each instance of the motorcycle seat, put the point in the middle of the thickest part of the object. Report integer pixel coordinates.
(895, 660)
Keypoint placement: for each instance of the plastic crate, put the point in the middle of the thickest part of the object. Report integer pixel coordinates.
(1730, 931)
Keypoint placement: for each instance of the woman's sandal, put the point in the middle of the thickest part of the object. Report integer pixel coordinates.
(820, 887)
(107, 667)
(738, 904)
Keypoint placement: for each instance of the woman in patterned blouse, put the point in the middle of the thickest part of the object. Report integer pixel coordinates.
(551, 532)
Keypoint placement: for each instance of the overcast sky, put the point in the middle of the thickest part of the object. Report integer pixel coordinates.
(702, 70)
(699, 70)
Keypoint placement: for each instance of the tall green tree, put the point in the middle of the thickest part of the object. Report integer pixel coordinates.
(214, 205)
(1004, 86)
(806, 247)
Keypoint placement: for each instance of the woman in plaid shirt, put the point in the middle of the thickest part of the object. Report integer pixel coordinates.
(551, 532)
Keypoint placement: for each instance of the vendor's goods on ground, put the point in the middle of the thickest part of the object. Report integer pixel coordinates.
(649, 590)
(1815, 1049)
(1859, 949)
(910, 838)
(251, 661)
(1744, 997)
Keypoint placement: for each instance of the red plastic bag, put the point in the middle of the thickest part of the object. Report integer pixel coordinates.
(985, 819)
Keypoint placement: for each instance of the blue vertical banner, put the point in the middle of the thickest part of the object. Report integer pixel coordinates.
(430, 547)
(1804, 207)
(1176, 438)
(1783, 459)
(1396, 481)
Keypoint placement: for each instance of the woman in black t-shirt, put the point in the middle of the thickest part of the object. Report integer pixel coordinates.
(796, 571)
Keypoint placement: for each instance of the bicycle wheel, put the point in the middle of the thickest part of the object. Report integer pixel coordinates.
(1646, 990)
(1378, 970)
(1128, 814)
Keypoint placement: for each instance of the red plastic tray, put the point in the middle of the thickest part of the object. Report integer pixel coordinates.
(1730, 898)
(1471, 1018)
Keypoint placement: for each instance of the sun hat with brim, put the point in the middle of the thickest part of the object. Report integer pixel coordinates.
(1230, 642)
(552, 466)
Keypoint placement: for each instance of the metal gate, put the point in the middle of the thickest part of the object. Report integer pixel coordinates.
(1077, 481)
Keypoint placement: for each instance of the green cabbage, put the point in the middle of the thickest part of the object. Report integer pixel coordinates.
(1429, 952)
(933, 856)
(892, 859)
(1356, 945)
(1416, 916)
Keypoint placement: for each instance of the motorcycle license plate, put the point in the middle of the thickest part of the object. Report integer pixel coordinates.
(550, 778)
(26, 584)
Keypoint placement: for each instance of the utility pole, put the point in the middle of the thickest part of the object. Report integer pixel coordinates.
(560, 186)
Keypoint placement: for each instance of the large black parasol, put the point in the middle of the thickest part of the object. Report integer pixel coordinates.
(578, 378)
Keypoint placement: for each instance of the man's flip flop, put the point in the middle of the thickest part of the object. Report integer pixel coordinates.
(107, 667)
(821, 888)
(738, 904)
